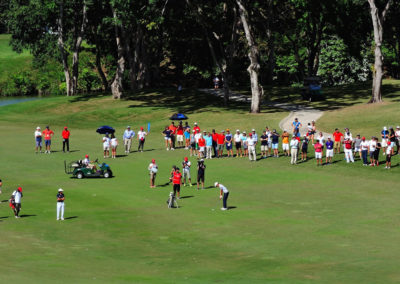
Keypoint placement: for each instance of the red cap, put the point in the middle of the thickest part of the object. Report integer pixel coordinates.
(141, 128)
(19, 188)
(250, 134)
(363, 138)
(186, 158)
(153, 161)
(65, 127)
(86, 156)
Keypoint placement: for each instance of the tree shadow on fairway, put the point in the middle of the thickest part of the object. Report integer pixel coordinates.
(27, 215)
(187, 196)
(72, 217)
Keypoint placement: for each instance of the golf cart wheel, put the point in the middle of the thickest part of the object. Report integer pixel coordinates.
(107, 174)
(79, 175)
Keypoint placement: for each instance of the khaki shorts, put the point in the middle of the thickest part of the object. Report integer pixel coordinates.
(179, 138)
(264, 148)
(336, 145)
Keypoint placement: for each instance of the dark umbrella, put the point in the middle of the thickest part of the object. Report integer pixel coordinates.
(105, 130)
(178, 116)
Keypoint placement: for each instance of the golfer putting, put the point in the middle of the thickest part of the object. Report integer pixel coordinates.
(224, 193)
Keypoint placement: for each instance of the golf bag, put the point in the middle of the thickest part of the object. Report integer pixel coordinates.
(172, 203)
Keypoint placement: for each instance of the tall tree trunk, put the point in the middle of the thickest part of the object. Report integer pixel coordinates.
(77, 47)
(129, 56)
(377, 22)
(99, 68)
(254, 67)
(117, 88)
(61, 47)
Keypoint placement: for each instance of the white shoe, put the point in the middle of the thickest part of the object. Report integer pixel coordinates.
(58, 219)
(223, 209)
(62, 219)
(167, 149)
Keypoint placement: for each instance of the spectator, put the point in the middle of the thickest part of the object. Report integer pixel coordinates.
(186, 134)
(201, 170)
(296, 127)
(141, 137)
(153, 169)
(372, 148)
(196, 128)
(48, 134)
(264, 145)
(228, 143)
(397, 134)
(173, 129)
(275, 143)
(220, 143)
(357, 147)
(186, 171)
(388, 157)
(329, 151)
(106, 146)
(364, 151)
(215, 143)
(348, 150)
(285, 143)
(128, 136)
(202, 145)
(392, 139)
(385, 136)
(167, 137)
(114, 145)
(179, 134)
(377, 150)
(304, 148)
(38, 140)
(251, 148)
(294, 146)
(318, 152)
(238, 143)
(209, 145)
(338, 137)
(244, 143)
(193, 143)
(65, 135)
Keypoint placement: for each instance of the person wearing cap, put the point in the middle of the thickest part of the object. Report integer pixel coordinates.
(48, 134)
(38, 140)
(201, 170)
(294, 149)
(357, 147)
(397, 134)
(186, 134)
(364, 151)
(186, 171)
(285, 142)
(153, 169)
(251, 147)
(329, 151)
(173, 129)
(275, 143)
(141, 137)
(264, 144)
(372, 148)
(197, 136)
(238, 143)
(223, 194)
(114, 145)
(244, 143)
(392, 139)
(220, 143)
(318, 152)
(377, 150)
(347, 134)
(255, 136)
(196, 128)
(65, 135)
(88, 164)
(304, 148)
(127, 138)
(228, 143)
(296, 127)
(348, 150)
(209, 145)
(106, 146)
(202, 145)
(15, 201)
(337, 138)
(167, 137)
(179, 134)
(176, 183)
(385, 136)
(215, 135)
(60, 204)
(388, 157)
(193, 143)
(269, 134)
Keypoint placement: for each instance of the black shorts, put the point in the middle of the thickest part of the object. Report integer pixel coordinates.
(177, 188)
(200, 177)
(193, 145)
(388, 158)
(376, 154)
(304, 150)
(238, 145)
(371, 154)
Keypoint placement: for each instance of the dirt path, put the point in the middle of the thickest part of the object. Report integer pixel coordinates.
(304, 114)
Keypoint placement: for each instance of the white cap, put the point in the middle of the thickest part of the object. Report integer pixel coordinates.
(216, 183)
(195, 123)
(284, 130)
(329, 137)
(128, 126)
(38, 127)
(398, 126)
(384, 128)
(237, 130)
(253, 129)
(60, 189)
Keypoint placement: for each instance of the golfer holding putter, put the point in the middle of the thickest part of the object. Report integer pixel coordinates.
(224, 193)
(60, 204)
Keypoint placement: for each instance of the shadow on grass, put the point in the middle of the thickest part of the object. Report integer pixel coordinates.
(121, 156)
(231, 207)
(27, 215)
(164, 185)
(5, 217)
(72, 217)
(86, 97)
(4, 200)
(187, 196)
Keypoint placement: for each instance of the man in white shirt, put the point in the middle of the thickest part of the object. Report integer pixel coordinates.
(186, 171)
(153, 169)
(397, 133)
(255, 136)
(38, 140)
(372, 148)
(15, 201)
(128, 136)
(269, 134)
(364, 151)
(251, 147)
(294, 146)
(106, 146)
(141, 137)
(224, 193)
(238, 143)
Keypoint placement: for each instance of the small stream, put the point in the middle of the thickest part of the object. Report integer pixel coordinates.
(14, 100)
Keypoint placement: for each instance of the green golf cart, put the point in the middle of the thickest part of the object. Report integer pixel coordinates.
(79, 170)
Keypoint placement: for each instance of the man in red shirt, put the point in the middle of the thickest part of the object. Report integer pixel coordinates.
(338, 137)
(47, 133)
(65, 135)
(215, 144)
(196, 128)
(176, 181)
(179, 134)
(220, 143)
(318, 152)
(202, 146)
(173, 128)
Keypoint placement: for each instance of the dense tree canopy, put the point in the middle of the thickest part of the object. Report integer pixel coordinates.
(125, 45)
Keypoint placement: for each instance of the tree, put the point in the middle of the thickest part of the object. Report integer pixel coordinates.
(253, 53)
(378, 19)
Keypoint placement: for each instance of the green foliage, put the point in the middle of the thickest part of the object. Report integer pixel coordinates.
(338, 67)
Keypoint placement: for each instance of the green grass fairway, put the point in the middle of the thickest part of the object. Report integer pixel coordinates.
(289, 224)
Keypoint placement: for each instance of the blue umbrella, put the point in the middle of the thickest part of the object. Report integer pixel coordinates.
(105, 130)
(178, 116)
